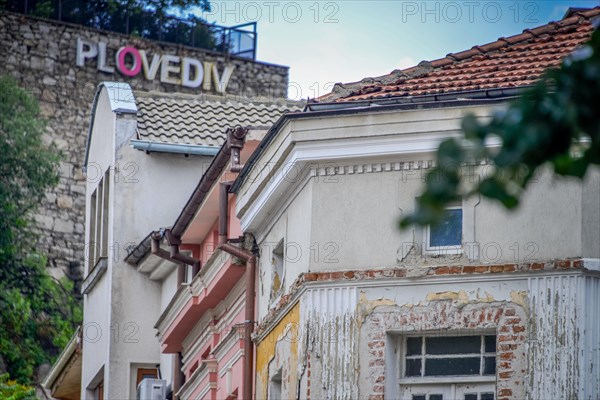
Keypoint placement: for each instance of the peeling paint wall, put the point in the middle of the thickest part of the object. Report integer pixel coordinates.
(279, 350)
(565, 337)
(329, 341)
(441, 308)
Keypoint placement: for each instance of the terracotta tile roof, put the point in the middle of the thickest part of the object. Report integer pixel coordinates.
(202, 120)
(513, 61)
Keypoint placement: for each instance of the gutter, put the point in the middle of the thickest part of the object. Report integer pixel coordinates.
(235, 141)
(71, 347)
(173, 255)
(315, 110)
(174, 148)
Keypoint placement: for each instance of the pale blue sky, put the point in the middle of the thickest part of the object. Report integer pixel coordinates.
(344, 41)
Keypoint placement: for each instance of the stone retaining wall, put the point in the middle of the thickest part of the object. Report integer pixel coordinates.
(41, 55)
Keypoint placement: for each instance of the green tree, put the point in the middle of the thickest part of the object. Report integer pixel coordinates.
(152, 19)
(556, 123)
(11, 390)
(37, 313)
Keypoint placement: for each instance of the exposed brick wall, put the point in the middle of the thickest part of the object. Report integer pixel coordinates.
(444, 317)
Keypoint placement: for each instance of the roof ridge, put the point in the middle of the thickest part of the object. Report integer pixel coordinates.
(534, 32)
(215, 98)
(424, 68)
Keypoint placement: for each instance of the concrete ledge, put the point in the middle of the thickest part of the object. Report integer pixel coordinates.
(94, 276)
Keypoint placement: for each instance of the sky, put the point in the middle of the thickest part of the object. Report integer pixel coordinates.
(324, 42)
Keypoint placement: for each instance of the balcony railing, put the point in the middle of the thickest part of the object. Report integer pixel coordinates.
(239, 40)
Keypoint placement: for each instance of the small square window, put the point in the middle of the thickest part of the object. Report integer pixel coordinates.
(449, 355)
(447, 234)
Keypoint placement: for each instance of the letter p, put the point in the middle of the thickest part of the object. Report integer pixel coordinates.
(85, 49)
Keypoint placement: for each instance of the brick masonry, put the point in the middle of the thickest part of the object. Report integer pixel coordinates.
(404, 272)
(443, 317)
(40, 55)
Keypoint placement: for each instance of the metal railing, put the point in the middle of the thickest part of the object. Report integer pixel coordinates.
(237, 40)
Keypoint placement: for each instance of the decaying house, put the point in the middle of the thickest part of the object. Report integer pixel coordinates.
(492, 305)
(269, 263)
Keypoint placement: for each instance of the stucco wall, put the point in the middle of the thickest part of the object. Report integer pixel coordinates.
(126, 304)
(362, 211)
(40, 55)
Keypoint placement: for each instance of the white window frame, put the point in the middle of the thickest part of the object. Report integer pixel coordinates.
(453, 384)
(445, 250)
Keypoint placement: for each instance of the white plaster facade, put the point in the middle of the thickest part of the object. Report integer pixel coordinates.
(333, 185)
(121, 305)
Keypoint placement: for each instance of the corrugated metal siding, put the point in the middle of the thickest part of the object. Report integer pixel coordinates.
(329, 315)
(590, 360)
(564, 353)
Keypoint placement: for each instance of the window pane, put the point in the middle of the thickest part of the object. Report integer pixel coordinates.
(449, 231)
(490, 344)
(453, 345)
(487, 396)
(418, 397)
(452, 366)
(413, 367)
(471, 396)
(413, 346)
(489, 367)
(436, 397)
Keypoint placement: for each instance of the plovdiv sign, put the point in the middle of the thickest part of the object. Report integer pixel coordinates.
(184, 71)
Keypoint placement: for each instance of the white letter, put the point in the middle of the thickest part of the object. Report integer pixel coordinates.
(150, 70)
(166, 69)
(208, 72)
(186, 65)
(221, 83)
(102, 59)
(85, 49)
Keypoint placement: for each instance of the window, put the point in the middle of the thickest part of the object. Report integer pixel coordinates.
(450, 355)
(448, 367)
(275, 387)
(145, 373)
(98, 220)
(447, 235)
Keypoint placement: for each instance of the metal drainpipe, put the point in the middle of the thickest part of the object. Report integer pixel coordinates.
(224, 211)
(250, 286)
(248, 313)
(174, 255)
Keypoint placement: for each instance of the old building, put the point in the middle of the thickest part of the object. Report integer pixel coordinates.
(493, 305)
(145, 152)
(289, 224)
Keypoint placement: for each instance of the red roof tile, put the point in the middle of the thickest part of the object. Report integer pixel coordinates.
(513, 61)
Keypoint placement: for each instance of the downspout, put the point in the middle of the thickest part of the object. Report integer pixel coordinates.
(174, 255)
(248, 313)
(224, 211)
(236, 143)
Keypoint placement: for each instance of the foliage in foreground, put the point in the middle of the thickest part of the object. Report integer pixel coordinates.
(11, 390)
(37, 313)
(557, 122)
